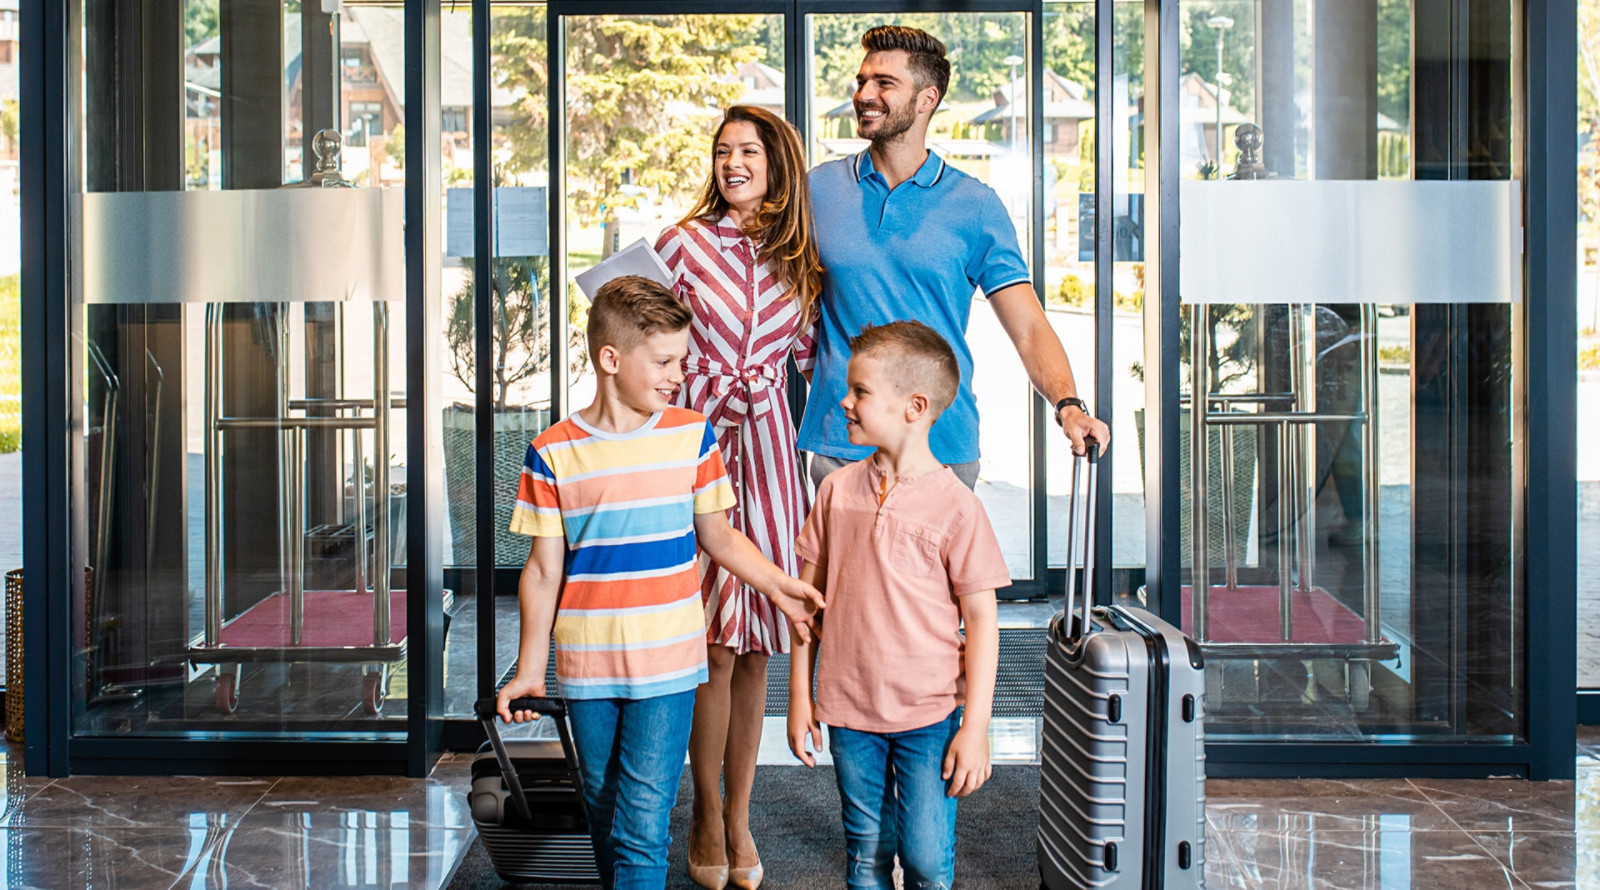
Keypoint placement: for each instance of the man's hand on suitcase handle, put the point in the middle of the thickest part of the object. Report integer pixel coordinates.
(1084, 430)
(966, 764)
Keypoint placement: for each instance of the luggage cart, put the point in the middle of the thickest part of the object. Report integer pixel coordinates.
(1296, 618)
(364, 625)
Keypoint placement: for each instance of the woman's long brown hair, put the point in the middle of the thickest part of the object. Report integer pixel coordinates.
(784, 226)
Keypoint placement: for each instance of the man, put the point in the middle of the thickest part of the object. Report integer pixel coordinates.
(904, 236)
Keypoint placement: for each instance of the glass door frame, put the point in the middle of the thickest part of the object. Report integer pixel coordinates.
(1547, 82)
(1545, 99)
(1040, 585)
(51, 149)
(463, 733)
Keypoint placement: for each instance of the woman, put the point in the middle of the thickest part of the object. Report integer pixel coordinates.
(745, 262)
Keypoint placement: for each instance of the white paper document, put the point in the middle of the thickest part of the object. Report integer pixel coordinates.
(636, 259)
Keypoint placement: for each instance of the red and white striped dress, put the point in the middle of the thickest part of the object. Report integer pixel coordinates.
(746, 325)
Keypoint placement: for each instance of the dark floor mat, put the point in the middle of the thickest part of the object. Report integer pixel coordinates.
(794, 816)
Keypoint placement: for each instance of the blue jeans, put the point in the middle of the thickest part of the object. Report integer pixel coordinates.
(631, 754)
(894, 803)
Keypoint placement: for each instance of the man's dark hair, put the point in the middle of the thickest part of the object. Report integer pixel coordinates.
(929, 67)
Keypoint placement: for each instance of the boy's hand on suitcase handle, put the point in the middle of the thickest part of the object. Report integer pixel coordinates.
(803, 723)
(519, 688)
(966, 764)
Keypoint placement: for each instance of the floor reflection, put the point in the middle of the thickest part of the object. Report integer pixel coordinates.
(191, 832)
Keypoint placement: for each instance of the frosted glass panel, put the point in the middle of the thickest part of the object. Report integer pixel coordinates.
(1351, 241)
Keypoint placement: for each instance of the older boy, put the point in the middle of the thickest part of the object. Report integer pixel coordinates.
(907, 555)
(616, 497)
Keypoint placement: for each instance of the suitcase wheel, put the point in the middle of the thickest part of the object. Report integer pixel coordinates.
(372, 692)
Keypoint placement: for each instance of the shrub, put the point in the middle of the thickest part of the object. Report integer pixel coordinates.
(1394, 355)
(10, 363)
(1073, 291)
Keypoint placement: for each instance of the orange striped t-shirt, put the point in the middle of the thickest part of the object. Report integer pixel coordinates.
(630, 624)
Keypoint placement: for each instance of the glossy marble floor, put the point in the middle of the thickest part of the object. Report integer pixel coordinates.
(191, 833)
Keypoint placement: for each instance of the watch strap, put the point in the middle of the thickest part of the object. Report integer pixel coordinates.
(1072, 401)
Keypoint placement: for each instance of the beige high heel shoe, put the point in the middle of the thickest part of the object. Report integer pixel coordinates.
(711, 877)
(746, 878)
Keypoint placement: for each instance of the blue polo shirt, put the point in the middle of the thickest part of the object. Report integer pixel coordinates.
(919, 253)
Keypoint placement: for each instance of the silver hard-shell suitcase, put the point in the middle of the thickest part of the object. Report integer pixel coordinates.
(527, 801)
(1122, 763)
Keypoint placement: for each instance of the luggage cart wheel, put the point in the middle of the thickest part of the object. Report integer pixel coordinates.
(372, 692)
(227, 691)
(1360, 685)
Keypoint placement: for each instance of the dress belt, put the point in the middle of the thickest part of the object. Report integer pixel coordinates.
(736, 393)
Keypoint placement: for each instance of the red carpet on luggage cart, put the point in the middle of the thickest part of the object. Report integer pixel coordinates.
(332, 619)
(1250, 614)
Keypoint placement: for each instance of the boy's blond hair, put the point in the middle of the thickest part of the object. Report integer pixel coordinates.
(918, 359)
(628, 309)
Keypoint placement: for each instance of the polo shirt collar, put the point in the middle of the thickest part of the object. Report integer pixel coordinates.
(927, 176)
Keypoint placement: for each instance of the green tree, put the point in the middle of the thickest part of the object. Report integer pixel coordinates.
(520, 288)
(395, 145)
(10, 362)
(199, 21)
(976, 43)
(1589, 109)
(1069, 42)
(1394, 59)
(9, 119)
(1238, 49)
(518, 48)
(643, 93)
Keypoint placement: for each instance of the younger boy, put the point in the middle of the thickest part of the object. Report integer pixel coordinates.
(616, 498)
(904, 554)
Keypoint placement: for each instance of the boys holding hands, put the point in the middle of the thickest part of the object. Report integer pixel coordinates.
(617, 497)
(904, 554)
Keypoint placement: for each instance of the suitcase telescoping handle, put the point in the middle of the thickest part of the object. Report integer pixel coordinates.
(556, 708)
(1083, 508)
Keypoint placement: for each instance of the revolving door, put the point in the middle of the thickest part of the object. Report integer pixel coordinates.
(1350, 333)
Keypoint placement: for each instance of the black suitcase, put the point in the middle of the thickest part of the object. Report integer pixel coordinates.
(527, 801)
(1122, 757)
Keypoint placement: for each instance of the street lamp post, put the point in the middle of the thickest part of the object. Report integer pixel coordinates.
(1013, 60)
(1222, 23)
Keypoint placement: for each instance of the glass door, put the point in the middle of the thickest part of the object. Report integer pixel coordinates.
(984, 128)
(1352, 356)
(242, 505)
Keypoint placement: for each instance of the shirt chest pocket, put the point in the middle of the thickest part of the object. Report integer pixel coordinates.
(912, 549)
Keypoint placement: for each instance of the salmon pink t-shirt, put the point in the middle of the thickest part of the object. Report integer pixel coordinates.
(890, 651)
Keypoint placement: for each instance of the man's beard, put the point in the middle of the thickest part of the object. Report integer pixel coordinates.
(894, 124)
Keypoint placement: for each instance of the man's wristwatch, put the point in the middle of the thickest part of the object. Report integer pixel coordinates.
(1075, 402)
